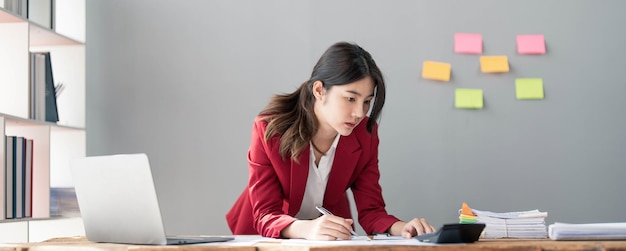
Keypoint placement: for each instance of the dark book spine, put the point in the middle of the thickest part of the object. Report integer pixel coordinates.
(51, 101)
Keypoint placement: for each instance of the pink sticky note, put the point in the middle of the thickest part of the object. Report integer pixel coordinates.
(531, 44)
(468, 43)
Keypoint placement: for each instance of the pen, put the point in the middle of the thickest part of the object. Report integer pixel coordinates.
(326, 212)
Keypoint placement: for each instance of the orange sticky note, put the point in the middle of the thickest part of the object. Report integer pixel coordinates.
(436, 70)
(531, 44)
(466, 210)
(469, 43)
(494, 64)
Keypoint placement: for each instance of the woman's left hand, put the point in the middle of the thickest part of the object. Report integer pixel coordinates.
(416, 227)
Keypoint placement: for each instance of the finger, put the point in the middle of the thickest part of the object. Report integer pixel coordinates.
(407, 234)
(336, 229)
(349, 223)
(335, 234)
(419, 226)
(427, 227)
(432, 228)
(345, 224)
(410, 229)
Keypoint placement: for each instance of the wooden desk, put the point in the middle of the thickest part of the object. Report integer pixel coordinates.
(491, 244)
(79, 244)
(82, 244)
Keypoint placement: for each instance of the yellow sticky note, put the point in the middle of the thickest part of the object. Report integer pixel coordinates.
(529, 88)
(494, 64)
(468, 98)
(436, 70)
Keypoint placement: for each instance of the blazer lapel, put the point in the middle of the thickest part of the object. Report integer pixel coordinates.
(299, 176)
(346, 159)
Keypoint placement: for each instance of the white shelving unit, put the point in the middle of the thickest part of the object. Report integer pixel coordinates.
(55, 144)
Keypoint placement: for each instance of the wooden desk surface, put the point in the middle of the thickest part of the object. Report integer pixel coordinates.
(79, 244)
(489, 244)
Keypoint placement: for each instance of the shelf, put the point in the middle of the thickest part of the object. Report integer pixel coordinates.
(55, 144)
(8, 17)
(38, 230)
(39, 35)
(37, 219)
(18, 121)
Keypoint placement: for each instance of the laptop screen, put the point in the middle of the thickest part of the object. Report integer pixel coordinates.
(118, 200)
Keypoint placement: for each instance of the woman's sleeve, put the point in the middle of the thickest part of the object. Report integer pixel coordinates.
(265, 191)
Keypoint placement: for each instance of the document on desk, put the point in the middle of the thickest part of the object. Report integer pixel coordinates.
(590, 231)
(242, 240)
(358, 241)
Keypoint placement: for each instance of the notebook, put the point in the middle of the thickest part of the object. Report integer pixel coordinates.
(118, 202)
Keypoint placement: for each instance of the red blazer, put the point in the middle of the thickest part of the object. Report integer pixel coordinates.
(276, 185)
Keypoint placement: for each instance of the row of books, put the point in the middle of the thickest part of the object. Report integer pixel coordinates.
(43, 92)
(529, 224)
(18, 178)
(38, 11)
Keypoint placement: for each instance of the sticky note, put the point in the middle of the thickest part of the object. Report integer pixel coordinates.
(468, 98)
(466, 221)
(468, 43)
(436, 71)
(531, 44)
(466, 210)
(494, 64)
(529, 88)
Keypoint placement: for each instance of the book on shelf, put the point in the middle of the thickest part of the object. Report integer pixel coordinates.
(18, 169)
(8, 183)
(40, 12)
(17, 202)
(3, 176)
(18, 7)
(37, 86)
(43, 92)
(520, 224)
(28, 179)
(51, 100)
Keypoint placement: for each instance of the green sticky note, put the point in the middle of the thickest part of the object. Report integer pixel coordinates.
(529, 88)
(467, 221)
(468, 98)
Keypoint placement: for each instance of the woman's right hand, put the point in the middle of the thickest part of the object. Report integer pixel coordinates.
(325, 227)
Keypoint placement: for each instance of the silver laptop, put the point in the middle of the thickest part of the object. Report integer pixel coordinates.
(118, 202)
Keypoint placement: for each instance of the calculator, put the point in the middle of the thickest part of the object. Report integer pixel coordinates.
(454, 233)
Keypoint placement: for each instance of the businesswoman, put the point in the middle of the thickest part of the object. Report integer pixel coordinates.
(308, 147)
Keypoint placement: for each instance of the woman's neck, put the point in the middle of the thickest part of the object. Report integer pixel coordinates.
(323, 141)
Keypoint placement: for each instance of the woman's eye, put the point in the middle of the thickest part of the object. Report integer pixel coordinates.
(351, 99)
(367, 102)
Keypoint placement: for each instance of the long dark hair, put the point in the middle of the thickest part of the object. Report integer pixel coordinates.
(292, 116)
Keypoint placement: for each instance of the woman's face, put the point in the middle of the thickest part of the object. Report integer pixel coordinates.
(343, 107)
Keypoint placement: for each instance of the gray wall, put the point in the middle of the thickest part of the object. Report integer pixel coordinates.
(183, 80)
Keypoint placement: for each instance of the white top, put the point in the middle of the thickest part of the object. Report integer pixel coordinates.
(316, 183)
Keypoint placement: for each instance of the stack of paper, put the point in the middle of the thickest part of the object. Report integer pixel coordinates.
(524, 224)
(591, 231)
